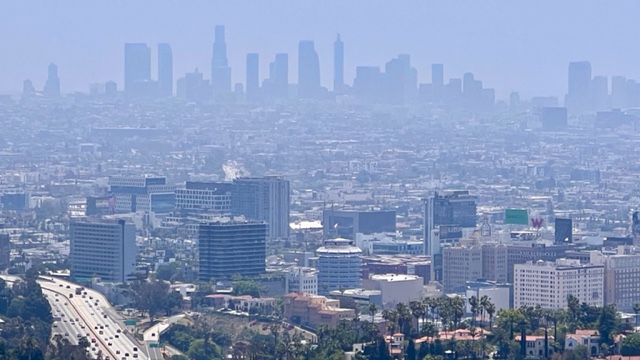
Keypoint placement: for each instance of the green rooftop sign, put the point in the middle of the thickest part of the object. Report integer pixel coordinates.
(516, 216)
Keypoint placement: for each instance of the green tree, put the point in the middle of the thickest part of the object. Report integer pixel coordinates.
(246, 287)
(411, 350)
(636, 309)
(630, 345)
(198, 350)
(608, 323)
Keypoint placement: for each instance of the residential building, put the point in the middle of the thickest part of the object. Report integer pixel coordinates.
(264, 199)
(460, 264)
(231, 247)
(339, 266)
(102, 248)
(521, 253)
(536, 345)
(588, 338)
(549, 284)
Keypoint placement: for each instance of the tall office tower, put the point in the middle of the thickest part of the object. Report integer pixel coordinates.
(281, 75)
(599, 93)
(401, 80)
(5, 251)
(308, 70)
(563, 233)
(577, 98)
(28, 90)
(52, 86)
(220, 70)
(165, 70)
(437, 82)
(263, 199)
(253, 80)
(102, 248)
(369, 84)
(456, 208)
(618, 92)
(339, 266)
(231, 248)
(137, 66)
(137, 193)
(338, 66)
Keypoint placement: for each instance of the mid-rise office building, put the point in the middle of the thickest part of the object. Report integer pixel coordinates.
(339, 266)
(395, 288)
(103, 248)
(563, 233)
(231, 248)
(204, 196)
(459, 265)
(347, 223)
(453, 208)
(138, 193)
(264, 199)
(549, 284)
(494, 262)
(302, 280)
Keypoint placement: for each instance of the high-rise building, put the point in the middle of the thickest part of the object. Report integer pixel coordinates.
(549, 284)
(618, 92)
(263, 199)
(5, 251)
(253, 79)
(106, 249)
(437, 82)
(231, 248)
(28, 90)
(193, 87)
(579, 83)
(165, 70)
(277, 85)
(563, 231)
(456, 208)
(220, 70)
(401, 80)
(339, 266)
(338, 65)
(599, 93)
(522, 253)
(52, 86)
(137, 66)
(137, 193)
(308, 70)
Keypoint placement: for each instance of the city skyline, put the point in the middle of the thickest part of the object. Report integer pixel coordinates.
(501, 47)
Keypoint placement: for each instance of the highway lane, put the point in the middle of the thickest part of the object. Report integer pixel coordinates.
(102, 321)
(152, 336)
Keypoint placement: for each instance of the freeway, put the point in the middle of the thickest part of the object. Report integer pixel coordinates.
(100, 319)
(152, 336)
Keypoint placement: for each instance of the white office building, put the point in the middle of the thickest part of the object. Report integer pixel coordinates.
(138, 193)
(303, 280)
(104, 249)
(396, 288)
(549, 284)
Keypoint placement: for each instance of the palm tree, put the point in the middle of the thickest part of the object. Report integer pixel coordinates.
(391, 317)
(490, 309)
(473, 303)
(484, 302)
(636, 309)
(418, 311)
(373, 309)
(573, 304)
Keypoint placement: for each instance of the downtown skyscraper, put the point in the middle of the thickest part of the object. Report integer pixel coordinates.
(137, 66)
(338, 65)
(252, 77)
(165, 70)
(52, 86)
(308, 70)
(579, 82)
(220, 70)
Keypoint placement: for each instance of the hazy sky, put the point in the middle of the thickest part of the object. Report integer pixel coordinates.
(510, 45)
